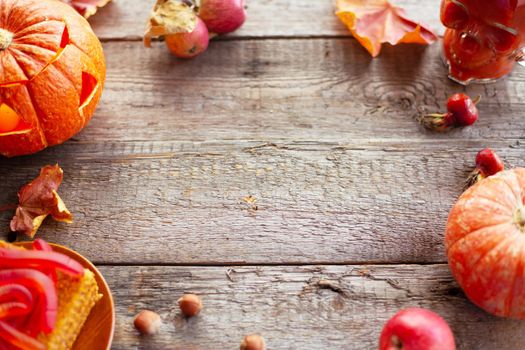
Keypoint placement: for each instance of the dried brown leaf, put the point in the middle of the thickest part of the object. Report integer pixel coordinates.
(38, 199)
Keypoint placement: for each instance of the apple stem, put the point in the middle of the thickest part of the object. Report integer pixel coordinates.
(476, 100)
(396, 343)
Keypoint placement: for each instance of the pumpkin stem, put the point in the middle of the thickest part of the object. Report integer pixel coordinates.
(6, 38)
(520, 218)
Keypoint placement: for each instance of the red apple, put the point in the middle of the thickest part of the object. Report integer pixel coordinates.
(416, 329)
(189, 45)
(222, 16)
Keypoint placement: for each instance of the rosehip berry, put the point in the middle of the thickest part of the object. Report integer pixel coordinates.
(461, 111)
(488, 163)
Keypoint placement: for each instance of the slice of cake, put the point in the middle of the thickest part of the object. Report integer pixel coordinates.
(76, 298)
(75, 294)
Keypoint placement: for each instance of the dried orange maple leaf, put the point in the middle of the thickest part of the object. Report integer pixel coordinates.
(86, 8)
(38, 199)
(373, 22)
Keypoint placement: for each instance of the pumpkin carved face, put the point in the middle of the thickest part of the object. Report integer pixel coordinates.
(485, 241)
(51, 74)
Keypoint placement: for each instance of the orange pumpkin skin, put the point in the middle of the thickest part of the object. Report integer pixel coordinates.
(485, 242)
(52, 73)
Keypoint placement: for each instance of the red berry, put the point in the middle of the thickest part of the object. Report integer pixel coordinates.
(462, 109)
(488, 162)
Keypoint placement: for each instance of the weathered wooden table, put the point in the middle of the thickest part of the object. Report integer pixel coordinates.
(351, 194)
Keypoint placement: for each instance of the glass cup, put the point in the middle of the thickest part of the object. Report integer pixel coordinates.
(484, 38)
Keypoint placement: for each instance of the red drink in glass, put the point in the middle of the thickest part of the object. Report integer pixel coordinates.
(484, 38)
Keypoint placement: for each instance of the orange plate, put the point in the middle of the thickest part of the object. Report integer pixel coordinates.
(98, 330)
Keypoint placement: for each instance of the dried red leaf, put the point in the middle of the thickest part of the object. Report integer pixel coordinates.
(86, 8)
(373, 22)
(38, 199)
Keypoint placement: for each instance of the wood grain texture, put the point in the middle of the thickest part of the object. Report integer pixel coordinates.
(170, 202)
(126, 19)
(312, 307)
(300, 90)
(293, 112)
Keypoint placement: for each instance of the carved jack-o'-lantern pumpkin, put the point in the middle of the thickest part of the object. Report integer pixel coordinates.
(52, 72)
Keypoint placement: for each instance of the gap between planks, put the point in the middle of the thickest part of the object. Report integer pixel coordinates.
(277, 264)
(242, 38)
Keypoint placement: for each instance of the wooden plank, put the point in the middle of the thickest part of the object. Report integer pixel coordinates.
(163, 202)
(307, 307)
(301, 90)
(126, 19)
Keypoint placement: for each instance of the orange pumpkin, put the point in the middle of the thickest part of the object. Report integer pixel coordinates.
(485, 241)
(51, 76)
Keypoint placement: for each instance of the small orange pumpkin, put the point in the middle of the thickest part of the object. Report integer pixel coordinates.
(485, 241)
(51, 75)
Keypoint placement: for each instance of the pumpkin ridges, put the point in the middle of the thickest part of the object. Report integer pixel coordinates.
(511, 180)
(479, 245)
(47, 40)
(501, 194)
(450, 246)
(42, 33)
(81, 34)
(6, 12)
(25, 61)
(12, 70)
(86, 65)
(54, 48)
(39, 28)
(520, 175)
(66, 114)
(469, 215)
(52, 118)
(64, 74)
(40, 11)
(518, 291)
(493, 250)
(38, 127)
(34, 52)
(34, 140)
(518, 272)
(508, 210)
(489, 264)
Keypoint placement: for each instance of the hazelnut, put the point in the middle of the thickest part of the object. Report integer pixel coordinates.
(253, 342)
(147, 322)
(190, 305)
